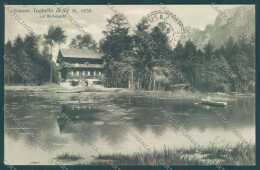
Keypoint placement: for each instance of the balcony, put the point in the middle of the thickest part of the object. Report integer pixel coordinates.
(83, 65)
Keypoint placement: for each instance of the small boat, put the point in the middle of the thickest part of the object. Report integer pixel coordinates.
(212, 103)
(68, 91)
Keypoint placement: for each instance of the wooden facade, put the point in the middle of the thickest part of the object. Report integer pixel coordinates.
(80, 64)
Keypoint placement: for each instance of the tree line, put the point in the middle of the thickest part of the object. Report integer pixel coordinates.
(134, 59)
(32, 55)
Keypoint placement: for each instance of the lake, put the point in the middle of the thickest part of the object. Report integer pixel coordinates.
(92, 114)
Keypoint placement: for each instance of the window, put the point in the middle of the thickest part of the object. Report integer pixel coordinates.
(99, 73)
(88, 73)
(83, 73)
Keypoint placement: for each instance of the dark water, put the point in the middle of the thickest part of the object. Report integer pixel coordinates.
(92, 116)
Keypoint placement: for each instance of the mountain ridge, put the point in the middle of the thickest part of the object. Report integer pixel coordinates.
(235, 22)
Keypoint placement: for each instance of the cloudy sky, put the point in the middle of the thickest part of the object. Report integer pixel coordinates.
(94, 22)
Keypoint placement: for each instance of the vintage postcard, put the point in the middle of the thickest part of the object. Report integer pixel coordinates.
(161, 85)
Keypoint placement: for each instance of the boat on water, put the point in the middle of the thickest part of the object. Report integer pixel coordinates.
(212, 103)
(68, 91)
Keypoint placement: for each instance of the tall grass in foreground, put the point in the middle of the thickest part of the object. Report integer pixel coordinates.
(212, 155)
(68, 156)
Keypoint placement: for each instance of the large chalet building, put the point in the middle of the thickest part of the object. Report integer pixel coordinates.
(80, 64)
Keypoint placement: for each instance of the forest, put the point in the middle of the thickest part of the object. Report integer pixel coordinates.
(133, 59)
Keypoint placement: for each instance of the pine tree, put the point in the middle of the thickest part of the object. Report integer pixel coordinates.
(117, 44)
(83, 42)
(8, 72)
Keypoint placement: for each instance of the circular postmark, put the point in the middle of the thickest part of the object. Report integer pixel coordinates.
(169, 23)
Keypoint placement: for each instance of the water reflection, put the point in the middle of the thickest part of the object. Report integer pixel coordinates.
(91, 115)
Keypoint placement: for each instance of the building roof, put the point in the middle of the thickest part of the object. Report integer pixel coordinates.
(81, 53)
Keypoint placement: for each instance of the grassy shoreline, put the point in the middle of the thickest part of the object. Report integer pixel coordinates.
(24, 88)
(50, 88)
(212, 155)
